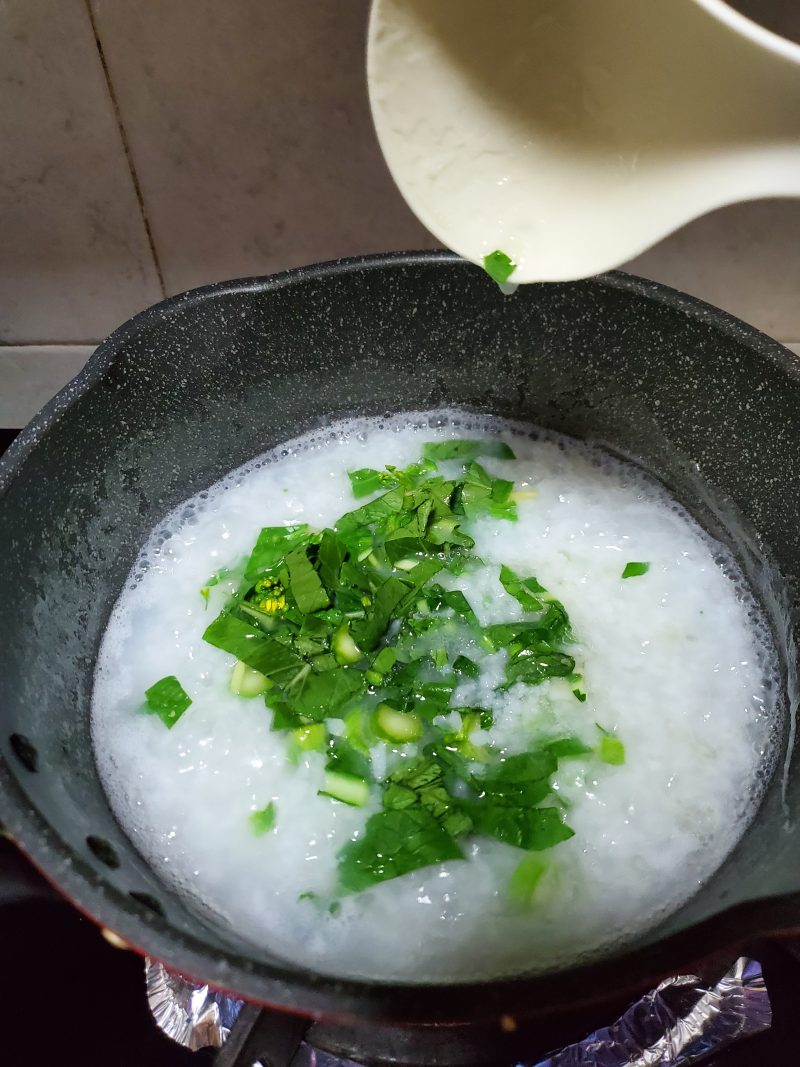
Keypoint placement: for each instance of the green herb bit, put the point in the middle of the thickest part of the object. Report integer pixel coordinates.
(578, 690)
(393, 843)
(483, 495)
(611, 749)
(453, 599)
(261, 822)
(529, 592)
(533, 666)
(215, 579)
(525, 880)
(305, 583)
(466, 666)
(245, 682)
(366, 481)
(255, 648)
(506, 809)
(440, 451)
(330, 557)
(568, 747)
(273, 545)
(348, 757)
(401, 727)
(168, 699)
(635, 570)
(346, 788)
(313, 738)
(499, 266)
(344, 647)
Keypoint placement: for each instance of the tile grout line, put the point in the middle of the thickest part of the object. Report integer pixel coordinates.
(126, 147)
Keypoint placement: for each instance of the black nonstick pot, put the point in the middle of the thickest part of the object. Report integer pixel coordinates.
(196, 385)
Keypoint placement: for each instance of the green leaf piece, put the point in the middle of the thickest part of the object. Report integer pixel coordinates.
(529, 828)
(499, 266)
(366, 481)
(261, 822)
(331, 556)
(167, 699)
(439, 451)
(611, 750)
(568, 747)
(305, 584)
(529, 592)
(255, 648)
(272, 546)
(393, 843)
(525, 879)
(635, 570)
(467, 667)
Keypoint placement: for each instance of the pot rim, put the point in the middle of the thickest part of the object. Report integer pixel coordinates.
(303, 991)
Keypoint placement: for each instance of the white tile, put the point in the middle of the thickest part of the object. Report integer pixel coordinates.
(744, 258)
(250, 130)
(31, 374)
(74, 256)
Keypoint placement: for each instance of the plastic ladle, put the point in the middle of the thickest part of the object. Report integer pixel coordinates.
(573, 134)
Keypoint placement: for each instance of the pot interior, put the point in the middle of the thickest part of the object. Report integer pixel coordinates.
(200, 384)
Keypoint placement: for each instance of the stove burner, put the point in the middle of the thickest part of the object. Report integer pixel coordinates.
(679, 1023)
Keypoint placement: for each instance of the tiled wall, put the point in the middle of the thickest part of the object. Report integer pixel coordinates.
(147, 146)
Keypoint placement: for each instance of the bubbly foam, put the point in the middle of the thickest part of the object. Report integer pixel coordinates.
(679, 663)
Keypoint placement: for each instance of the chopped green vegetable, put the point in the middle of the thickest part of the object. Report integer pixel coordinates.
(254, 648)
(525, 879)
(366, 481)
(351, 623)
(505, 807)
(578, 691)
(531, 595)
(273, 544)
(245, 682)
(261, 822)
(566, 747)
(483, 495)
(440, 451)
(344, 647)
(305, 583)
(611, 749)
(635, 570)
(315, 697)
(400, 726)
(466, 666)
(421, 782)
(331, 556)
(345, 787)
(167, 699)
(313, 738)
(384, 660)
(393, 843)
(350, 758)
(499, 266)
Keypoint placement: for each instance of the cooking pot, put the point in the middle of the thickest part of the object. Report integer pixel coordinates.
(202, 382)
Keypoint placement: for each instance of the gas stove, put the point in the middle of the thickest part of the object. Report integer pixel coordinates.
(69, 995)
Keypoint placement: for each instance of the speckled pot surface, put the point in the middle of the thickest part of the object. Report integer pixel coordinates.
(198, 384)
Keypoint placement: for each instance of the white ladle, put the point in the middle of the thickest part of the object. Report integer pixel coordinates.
(573, 134)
